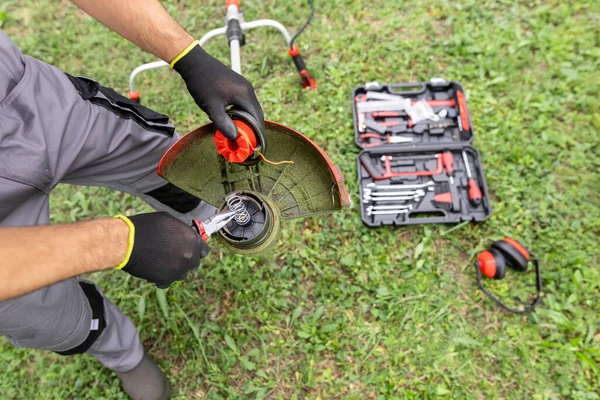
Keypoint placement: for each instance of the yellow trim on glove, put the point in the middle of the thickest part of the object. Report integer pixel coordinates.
(130, 241)
(184, 52)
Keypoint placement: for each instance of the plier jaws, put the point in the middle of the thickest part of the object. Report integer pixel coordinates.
(215, 223)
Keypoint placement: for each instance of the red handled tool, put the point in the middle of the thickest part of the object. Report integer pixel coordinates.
(448, 161)
(474, 192)
(443, 196)
(447, 123)
(439, 103)
(463, 118)
(446, 197)
(206, 228)
(387, 114)
(380, 140)
(394, 122)
(388, 173)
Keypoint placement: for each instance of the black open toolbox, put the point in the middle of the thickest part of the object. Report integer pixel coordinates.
(403, 170)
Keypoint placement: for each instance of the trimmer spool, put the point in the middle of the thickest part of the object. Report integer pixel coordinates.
(260, 232)
(250, 141)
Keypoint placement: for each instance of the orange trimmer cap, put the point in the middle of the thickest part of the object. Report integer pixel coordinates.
(239, 150)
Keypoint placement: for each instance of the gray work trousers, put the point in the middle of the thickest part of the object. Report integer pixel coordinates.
(59, 129)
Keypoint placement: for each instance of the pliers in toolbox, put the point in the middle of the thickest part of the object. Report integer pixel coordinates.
(389, 139)
(215, 223)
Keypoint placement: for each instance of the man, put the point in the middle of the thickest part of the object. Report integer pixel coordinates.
(58, 128)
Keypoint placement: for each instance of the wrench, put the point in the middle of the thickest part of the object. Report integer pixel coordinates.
(417, 192)
(368, 199)
(380, 212)
(394, 207)
(387, 193)
(373, 185)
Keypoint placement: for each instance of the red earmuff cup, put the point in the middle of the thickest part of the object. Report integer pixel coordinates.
(513, 256)
(487, 264)
(520, 248)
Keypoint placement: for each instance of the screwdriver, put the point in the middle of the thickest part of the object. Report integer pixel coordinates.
(474, 192)
(448, 162)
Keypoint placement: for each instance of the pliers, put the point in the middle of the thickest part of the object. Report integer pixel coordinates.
(215, 223)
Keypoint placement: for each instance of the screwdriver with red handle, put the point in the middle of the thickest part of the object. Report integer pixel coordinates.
(448, 162)
(474, 192)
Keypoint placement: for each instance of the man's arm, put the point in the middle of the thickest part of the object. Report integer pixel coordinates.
(33, 257)
(213, 86)
(155, 246)
(144, 23)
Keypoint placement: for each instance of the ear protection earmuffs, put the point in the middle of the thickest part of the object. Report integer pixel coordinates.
(493, 262)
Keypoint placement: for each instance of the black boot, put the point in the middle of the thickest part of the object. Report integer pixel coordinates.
(146, 381)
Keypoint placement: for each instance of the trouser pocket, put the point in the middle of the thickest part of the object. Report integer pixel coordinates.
(121, 106)
(98, 323)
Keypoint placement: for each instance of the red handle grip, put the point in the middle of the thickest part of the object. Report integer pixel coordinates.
(448, 161)
(385, 114)
(440, 103)
(199, 227)
(462, 108)
(474, 192)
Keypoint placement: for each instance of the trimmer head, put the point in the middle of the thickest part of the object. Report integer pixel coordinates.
(250, 140)
(311, 185)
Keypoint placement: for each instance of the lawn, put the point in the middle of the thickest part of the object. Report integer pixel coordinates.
(339, 310)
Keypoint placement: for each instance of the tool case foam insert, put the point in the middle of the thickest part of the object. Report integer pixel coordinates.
(402, 171)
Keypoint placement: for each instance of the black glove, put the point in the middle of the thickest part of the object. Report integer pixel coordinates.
(215, 86)
(165, 249)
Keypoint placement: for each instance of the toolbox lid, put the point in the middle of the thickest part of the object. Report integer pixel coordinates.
(382, 114)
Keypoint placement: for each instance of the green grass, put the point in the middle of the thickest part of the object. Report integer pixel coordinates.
(342, 311)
